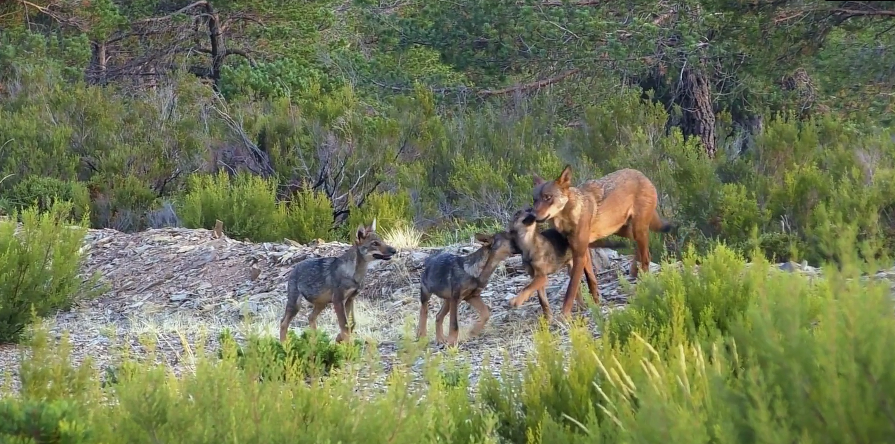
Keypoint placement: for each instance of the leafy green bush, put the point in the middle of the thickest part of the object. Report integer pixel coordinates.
(311, 354)
(248, 207)
(391, 210)
(794, 180)
(51, 422)
(41, 192)
(122, 203)
(751, 354)
(695, 301)
(457, 232)
(225, 400)
(40, 266)
(309, 216)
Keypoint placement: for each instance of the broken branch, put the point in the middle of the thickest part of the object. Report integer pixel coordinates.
(529, 86)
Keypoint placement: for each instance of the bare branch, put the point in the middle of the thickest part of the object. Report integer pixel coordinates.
(863, 13)
(529, 86)
(555, 3)
(261, 157)
(230, 52)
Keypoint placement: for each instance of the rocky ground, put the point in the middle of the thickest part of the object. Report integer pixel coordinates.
(176, 287)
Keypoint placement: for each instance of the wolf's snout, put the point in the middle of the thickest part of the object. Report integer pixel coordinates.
(385, 255)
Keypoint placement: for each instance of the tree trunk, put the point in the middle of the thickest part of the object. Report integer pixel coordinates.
(216, 40)
(96, 72)
(698, 110)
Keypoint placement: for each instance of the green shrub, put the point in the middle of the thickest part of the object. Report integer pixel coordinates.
(787, 358)
(53, 422)
(224, 400)
(49, 374)
(41, 192)
(784, 359)
(391, 210)
(459, 232)
(739, 214)
(311, 354)
(248, 207)
(40, 266)
(308, 217)
(122, 203)
(695, 301)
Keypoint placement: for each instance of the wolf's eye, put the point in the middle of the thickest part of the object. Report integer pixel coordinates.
(548, 198)
(375, 244)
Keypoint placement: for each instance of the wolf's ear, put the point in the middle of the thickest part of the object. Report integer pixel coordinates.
(484, 238)
(537, 180)
(361, 233)
(565, 178)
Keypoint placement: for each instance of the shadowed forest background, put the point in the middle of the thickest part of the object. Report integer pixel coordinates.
(771, 115)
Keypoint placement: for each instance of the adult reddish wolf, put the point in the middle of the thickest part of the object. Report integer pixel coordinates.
(621, 203)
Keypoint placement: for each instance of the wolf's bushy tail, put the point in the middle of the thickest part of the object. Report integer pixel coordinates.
(660, 225)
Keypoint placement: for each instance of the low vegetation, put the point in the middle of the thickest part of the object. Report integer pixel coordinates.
(726, 351)
(39, 266)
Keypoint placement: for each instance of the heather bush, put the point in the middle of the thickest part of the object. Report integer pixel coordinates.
(309, 354)
(307, 217)
(39, 266)
(41, 192)
(722, 353)
(391, 210)
(246, 205)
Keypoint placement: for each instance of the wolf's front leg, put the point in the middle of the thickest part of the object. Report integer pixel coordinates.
(339, 307)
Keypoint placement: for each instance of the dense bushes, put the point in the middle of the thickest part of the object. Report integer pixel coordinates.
(136, 155)
(309, 354)
(39, 266)
(249, 208)
(723, 353)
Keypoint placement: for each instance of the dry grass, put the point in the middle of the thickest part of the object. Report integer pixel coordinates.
(403, 237)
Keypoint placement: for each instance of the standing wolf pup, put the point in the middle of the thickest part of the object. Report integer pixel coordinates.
(545, 253)
(621, 203)
(456, 278)
(334, 279)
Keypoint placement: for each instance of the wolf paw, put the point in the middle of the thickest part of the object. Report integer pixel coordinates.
(516, 302)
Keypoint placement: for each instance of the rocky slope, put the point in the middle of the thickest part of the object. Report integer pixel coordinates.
(177, 287)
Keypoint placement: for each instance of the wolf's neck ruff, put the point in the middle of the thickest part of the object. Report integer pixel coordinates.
(487, 269)
(474, 263)
(356, 261)
(566, 220)
(527, 238)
